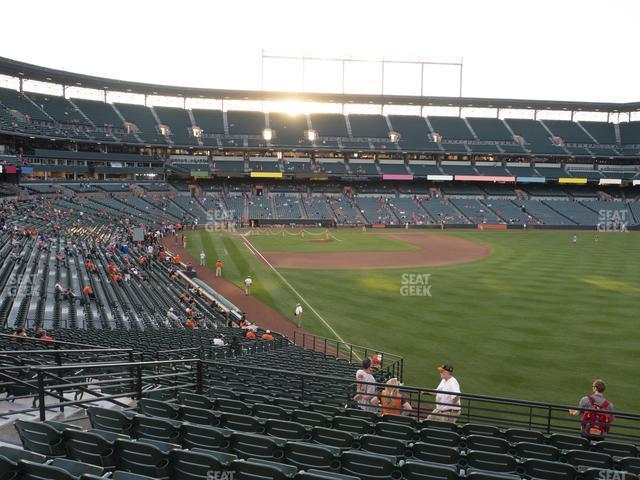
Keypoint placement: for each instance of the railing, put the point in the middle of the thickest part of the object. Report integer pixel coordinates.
(390, 363)
(116, 382)
(13, 340)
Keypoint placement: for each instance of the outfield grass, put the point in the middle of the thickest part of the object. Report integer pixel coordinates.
(539, 319)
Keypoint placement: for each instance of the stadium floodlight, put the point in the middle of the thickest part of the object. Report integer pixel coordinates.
(267, 134)
(394, 137)
(311, 135)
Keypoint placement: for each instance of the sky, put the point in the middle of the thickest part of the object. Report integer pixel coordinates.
(551, 50)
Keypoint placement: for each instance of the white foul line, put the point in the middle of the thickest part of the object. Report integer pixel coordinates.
(249, 244)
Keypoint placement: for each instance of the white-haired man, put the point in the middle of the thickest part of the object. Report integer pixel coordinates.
(448, 397)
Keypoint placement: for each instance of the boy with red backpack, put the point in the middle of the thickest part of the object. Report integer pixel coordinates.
(596, 412)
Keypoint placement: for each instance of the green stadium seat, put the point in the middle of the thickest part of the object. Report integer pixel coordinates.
(630, 464)
(358, 413)
(75, 468)
(120, 475)
(39, 471)
(153, 428)
(440, 437)
(142, 458)
(396, 430)
(200, 416)
(568, 442)
(39, 437)
(427, 452)
(615, 449)
(111, 420)
(335, 438)
(289, 403)
(252, 469)
(195, 400)
(600, 474)
(412, 422)
(191, 465)
(287, 430)
(225, 459)
(263, 410)
(16, 454)
(368, 466)
(249, 445)
(314, 419)
(243, 423)
(516, 435)
(8, 469)
(434, 424)
(232, 406)
(484, 430)
(545, 470)
(156, 408)
(417, 470)
(328, 410)
(313, 474)
(537, 450)
(482, 475)
(492, 462)
(486, 444)
(305, 456)
(206, 437)
(383, 445)
(587, 459)
(90, 447)
(352, 424)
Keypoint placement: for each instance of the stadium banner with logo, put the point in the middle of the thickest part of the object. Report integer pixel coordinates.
(531, 179)
(492, 226)
(484, 178)
(199, 173)
(266, 174)
(572, 181)
(26, 170)
(10, 169)
(440, 178)
(636, 182)
(393, 176)
(610, 181)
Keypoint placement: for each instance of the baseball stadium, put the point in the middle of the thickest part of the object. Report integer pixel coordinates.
(200, 283)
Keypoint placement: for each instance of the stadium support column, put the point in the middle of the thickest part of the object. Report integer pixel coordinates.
(21, 85)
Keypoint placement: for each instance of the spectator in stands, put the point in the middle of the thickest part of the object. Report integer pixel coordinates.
(247, 285)
(21, 332)
(366, 397)
(391, 399)
(595, 424)
(448, 399)
(87, 291)
(218, 341)
(250, 335)
(266, 336)
(235, 347)
(171, 315)
(58, 289)
(42, 335)
(190, 324)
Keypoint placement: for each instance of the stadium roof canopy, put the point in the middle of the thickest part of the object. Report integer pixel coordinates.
(28, 71)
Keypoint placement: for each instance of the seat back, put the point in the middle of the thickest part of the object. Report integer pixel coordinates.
(417, 470)
(545, 470)
(486, 444)
(195, 400)
(369, 466)
(248, 445)
(492, 462)
(40, 438)
(201, 436)
(157, 408)
(199, 415)
(440, 437)
(154, 428)
(90, 448)
(427, 452)
(287, 430)
(306, 455)
(383, 445)
(142, 458)
(110, 420)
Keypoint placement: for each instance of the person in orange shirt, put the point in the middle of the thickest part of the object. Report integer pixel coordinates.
(218, 268)
(266, 336)
(176, 259)
(391, 399)
(250, 335)
(87, 290)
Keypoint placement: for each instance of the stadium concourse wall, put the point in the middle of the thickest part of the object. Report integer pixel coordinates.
(279, 222)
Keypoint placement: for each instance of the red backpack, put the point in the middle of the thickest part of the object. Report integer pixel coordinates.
(597, 423)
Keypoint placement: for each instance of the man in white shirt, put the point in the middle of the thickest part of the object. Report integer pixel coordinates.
(247, 285)
(218, 341)
(202, 258)
(448, 397)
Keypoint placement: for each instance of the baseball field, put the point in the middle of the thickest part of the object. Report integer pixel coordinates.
(522, 314)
